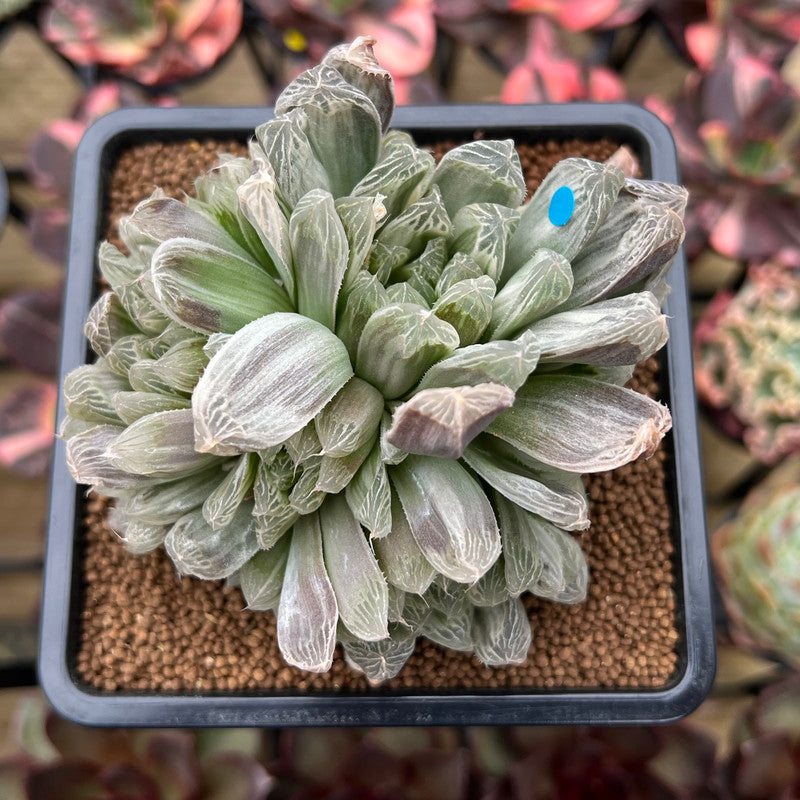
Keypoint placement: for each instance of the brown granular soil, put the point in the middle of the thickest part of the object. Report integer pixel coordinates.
(143, 627)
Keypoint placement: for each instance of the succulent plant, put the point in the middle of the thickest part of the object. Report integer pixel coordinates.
(154, 43)
(747, 366)
(757, 558)
(366, 387)
(548, 75)
(737, 129)
(59, 759)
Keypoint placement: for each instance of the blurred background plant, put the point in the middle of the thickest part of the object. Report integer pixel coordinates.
(724, 74)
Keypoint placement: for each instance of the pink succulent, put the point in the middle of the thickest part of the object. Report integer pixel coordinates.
(154, 42)
(582, 15)
(548, 75)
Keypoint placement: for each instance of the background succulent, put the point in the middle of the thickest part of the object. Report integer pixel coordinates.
(318, 347)
(747, 366)
(757, 558)
(152, 42)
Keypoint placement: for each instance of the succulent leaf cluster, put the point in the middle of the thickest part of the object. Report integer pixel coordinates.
(757, 559)
(365, 386)
(747, 363)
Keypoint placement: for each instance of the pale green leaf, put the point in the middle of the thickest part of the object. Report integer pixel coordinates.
(261, 578)
(502, 633)
(272, 378)
(221, 504)
(351, 419)
(460, 267)
(467, 306)
(363, 299)
(307, 612)
(320, 251)
(336, 472)
(89, 393)
(422, 221)
(359, 217)
(369, 496)
(131, 406)
(358, 583)
(305, 497)
(88, 461)
(209, 289)
(399, 343)
(449, 516)
(389, 453)
(382, 660)
(481, 231)
(448, 621)
(582, 425)
(490, 589)
(160, 445)
(107, 322)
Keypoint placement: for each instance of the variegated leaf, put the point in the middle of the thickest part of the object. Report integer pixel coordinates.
(141, 537)
(449, 617)
(582, 425)
(210, 290)
(384, 259)
(160, 445)
(88, 461)
(442, 422)
(543, 283)
(399, 555)
(350, 419)
(272, 378)
(335, 472)
(467, 306)
(359, 217)
(502, 633)
(131, 406)
(424, 220)
(363, 299)
(595, 187)
(382, 660)
(490, 589)
(221, 505)
(307, 612)
(107, 322)
(389, 453)
(483, 171)
(358, 583)
(481, 231)
(369, 496)
(337, 112)
(320, 251)
(449, 516)
(507, 363)
(197, 549)
(399, 343)
(559, 501)
(616, 332)
(261, 578)
(304, 444)
(89, 393)
(305, 497)
(460, 267)
(357, 64)
(405, 293)
(539, 557)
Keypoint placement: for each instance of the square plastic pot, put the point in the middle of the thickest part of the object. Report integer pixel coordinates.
(622, 123)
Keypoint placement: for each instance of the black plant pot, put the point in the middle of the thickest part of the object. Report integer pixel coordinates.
(694, 673)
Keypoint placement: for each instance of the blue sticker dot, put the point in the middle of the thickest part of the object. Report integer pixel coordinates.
(562, 204)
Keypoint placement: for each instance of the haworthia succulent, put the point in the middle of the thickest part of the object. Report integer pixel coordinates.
(616, 332)
(506, 362)
(442, 422)
(480, 172)
(541, 284)
(131, 406)
(108, 321)
(595, 187)
(88, 460)
(366, 295)
(369, 497)
(359, 217)
(272, 378)
(449, 515)
(540, 558)
(502, 633)
(320, 251)
(399, 343)
(467, 306)
(350, 419)
(460, 267)
(307, 611)
(422, 221)
(160, 445)
(166, 503)
(481, 231)
(209, 290)
(536, 490)
(358, 583)
(400, 557)
(305, 497)
(490, 589)
(89, 393)
(389, 453)
(582, 425)
(449, 616)
(336, 472)
(197, 549)
(381, 660)
(261, 578)
(222, 504)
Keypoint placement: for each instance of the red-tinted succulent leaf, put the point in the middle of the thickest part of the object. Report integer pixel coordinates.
(51, 154)
(234, 776)
(27, 422)
(765, 769)
(169, 759)
(105, 748)
(30, 330)
(67, 780)
(48, 229)
(128, 782)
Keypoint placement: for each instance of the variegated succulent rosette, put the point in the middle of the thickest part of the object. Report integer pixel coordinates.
(364, 386)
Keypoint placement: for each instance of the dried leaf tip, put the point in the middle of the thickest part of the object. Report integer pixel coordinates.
(442, 422)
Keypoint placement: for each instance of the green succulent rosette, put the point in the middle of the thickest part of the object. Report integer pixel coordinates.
(365, 386)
